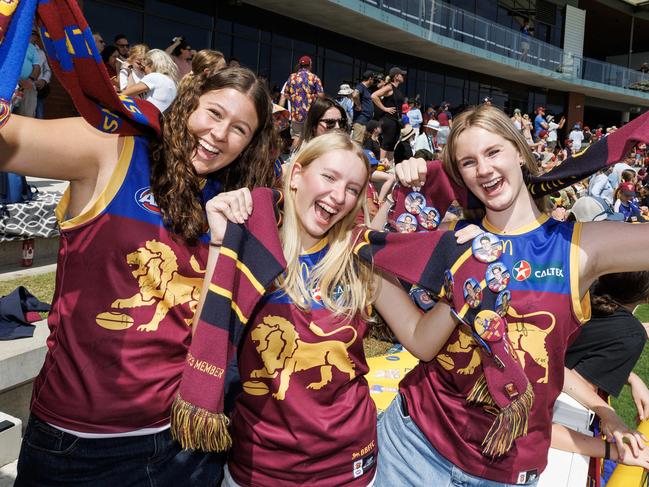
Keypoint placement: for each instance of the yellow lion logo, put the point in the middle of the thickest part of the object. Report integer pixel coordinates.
(527, 339)
(156, 271)
(282, 351)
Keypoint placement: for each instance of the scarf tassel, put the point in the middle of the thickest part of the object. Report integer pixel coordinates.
(199, 429)
(511, 421)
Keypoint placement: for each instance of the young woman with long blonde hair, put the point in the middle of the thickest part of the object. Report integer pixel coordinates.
(305, 416)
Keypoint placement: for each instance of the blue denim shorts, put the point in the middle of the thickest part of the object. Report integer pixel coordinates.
(406, 457)
(50, 457)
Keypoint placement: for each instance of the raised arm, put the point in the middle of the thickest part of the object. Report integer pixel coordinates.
(423, 335)
(67, 149)
(607, 247)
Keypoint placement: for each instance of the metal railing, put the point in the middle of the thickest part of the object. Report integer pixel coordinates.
(435, 16)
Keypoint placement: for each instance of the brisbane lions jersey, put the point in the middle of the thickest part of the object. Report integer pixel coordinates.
(305, 416)
(538, 278)
(126, 291)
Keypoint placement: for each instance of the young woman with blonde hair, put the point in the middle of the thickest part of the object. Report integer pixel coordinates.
(443, 419)
(159, 84)
(314, 423)
(132, 71)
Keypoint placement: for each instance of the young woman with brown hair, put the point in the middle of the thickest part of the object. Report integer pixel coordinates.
(132, 258)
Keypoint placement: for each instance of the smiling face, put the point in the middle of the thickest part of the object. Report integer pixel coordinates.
(224, 122)
(331, 120)
(489, 165)
(326, 191)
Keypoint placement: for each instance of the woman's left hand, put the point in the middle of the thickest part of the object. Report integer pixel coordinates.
(235, 206)
(468, 233)
(614, 427)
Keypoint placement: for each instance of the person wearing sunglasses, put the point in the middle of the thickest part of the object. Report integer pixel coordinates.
(325, 115)
(122, 45)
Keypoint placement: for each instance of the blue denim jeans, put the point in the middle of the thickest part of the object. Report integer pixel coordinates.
(51, 458)
(406, 457)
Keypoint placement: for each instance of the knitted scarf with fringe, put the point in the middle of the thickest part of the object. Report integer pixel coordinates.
(250, 259)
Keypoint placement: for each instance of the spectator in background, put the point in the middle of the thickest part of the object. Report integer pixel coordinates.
(132, 71)
(234, 63)
(109, 56)
(208, 62)
(624, 204)
(42, 83)
(29, 74)
(427, 140)
(181, 52)
(517, 119)
(415, 116)
(389, 100)
(577, 137)
(539, 121)
(405, 147)
(429, 114)
(363, 107)
(445, 120)
(344, 100)
(159, 85)
(301, 89)
(552, 139)
(600, 186)
(99, 41)
(372, 140)
(527, 129)
(324, 116)
(122, 45)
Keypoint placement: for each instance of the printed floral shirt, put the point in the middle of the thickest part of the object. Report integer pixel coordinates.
(301, 89)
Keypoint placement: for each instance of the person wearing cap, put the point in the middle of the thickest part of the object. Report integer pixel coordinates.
(363, 106)
(405, 147)
(345, 100)
(389, 100)
(624, 204)
(445, 119)
(539, 121)
(577, 137)
(487, 100)
(301, 89)
(428, 138)
(552, 130)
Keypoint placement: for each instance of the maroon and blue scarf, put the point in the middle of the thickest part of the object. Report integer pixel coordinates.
(75, 60)
(250, 259)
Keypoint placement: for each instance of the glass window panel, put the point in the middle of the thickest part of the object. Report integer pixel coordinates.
(224, 44)
(110, 20)
(337, 56)
(224, 26)
(178, 13)
(335, 73)
(281, 65)
(264, 61)
(454, 91)
(279, 40)
(305, 49)
(245, 31)
(158, 32)
(245, 50)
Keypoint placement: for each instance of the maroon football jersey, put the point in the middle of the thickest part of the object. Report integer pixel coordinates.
(305, 416)
(120, 320)
(542, 318)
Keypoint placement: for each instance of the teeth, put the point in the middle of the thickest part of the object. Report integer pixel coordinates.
(208, 147)
(491, 184)
(327, 208)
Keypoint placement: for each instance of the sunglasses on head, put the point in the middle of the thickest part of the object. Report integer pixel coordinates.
(330, 123)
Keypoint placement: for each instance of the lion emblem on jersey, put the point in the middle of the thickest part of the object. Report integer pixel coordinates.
(161, 286)
(526, 339)
(283, 353)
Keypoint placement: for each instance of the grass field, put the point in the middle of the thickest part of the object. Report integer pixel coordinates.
(43, 288)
